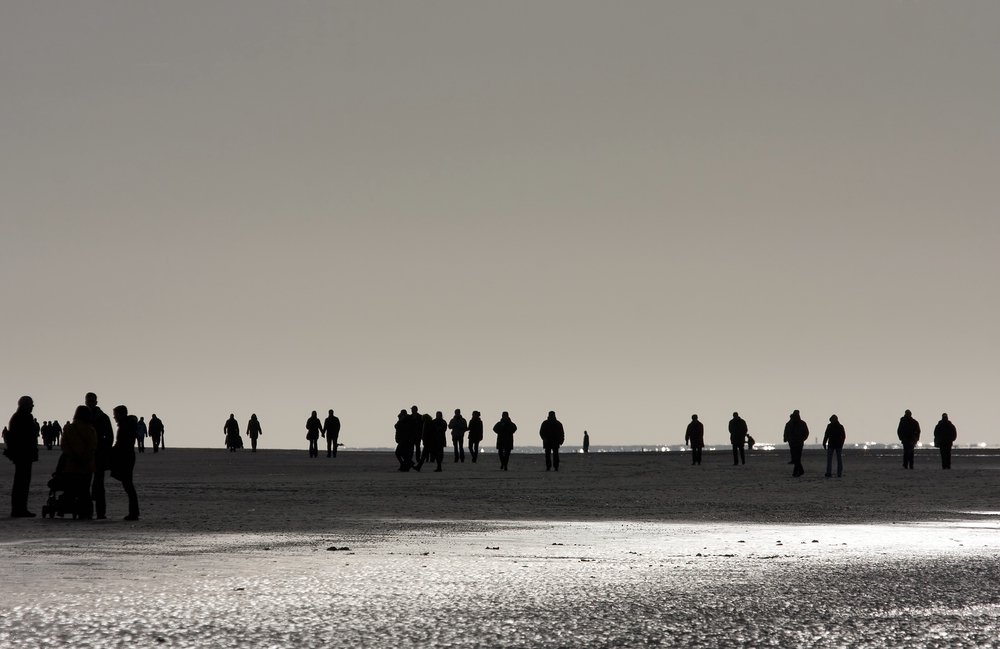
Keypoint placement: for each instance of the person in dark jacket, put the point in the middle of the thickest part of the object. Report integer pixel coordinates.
(404, 447)
(331, 430)
(475, 434)
(435, 432)
(738, 438)
(21, 443)
(945, 435)
(79, 444)
(313, 428)
(586, 442)
(102, 459)
(796, 434)
(458, 426)
(416, 431)
(155, 432)
(123, 458)
(253, 431)
(231, 429)
(505, 430)
(553, 436)
(908, 433)
(833, 442)
(694, 437)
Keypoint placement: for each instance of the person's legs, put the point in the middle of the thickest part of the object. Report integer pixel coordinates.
(329, 446)
(461, 449)
(840, 462)
(555, 458)
(454, 443)
(335, 444)
(156, 444)
(474, 450)
(797, 459)
(133, 499)
(438, 457)
(97, 494)
(696, 456)
(829, 461)
(19, 493)
(743, 457)
(548, 459)
(736, 454)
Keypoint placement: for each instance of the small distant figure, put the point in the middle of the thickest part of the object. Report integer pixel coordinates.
(586, 442)
(738, 437)
(48, 436)
(253, 432)
(694, 437)
(833, 442)
(123, 458)
(553, 436)
(156, 432)
(21, 443)
(331, 430)
(475, 435)
(796, 434)
(416, 431)
(140, 435)
(751, 442)
(505, 430)
(908, 433)
(102, 459)
(945, 435)
(404, 446)
(232, 432)
(313, 428)
(458, 426)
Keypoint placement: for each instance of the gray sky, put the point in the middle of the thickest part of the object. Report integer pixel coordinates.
(626, 212)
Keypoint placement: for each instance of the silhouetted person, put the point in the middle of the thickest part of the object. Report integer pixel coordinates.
(253, 432)
(313, 428)
(738, 437)
(475, 434)
(750, 442)
(404, 447)
(909, 434)
(694, 437)
(505, 430)
(553, 436)
(56, 431)
(458, 426)
(331, 430)
(796, 434)
(435, 439)
(945, 435)
(79, 446)
(102, 459)
(833, 442)
(232, 432)
(47, 437)
(416, 431)
(140, 435)
(155, 432)
(123, 458)
(22, 449)
(586, 442)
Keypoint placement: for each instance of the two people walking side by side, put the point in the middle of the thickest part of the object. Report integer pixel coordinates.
(908, 433)
(553, 436)
(505, 430)
(796, 434)
(694, 437)
(738, 438)
(945, 435)
(833, 442)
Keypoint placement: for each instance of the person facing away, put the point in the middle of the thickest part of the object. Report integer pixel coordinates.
(833, 442)
(123, 458)
(79, 446)
(404, 447)
(553, 436)
(458, 426)
(694, 437)
(56, 431)
(21, 443)
(253, 432)
(908, 433)
(586, 442)
(475, 434)
(505, 430)
(232, 432)
(416, 431)
(47, 435)
(155, 432)
(140, 435)
(945, 435)
(313, 428)
(796, 434)
(331, 430)
(102, 459)
(738, 438)
(434, 441)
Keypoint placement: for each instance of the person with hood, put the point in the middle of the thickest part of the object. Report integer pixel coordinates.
(458, 426)
(908, 433)
(253, 432)
(738, 438)
(140, 435)
(313, 428)
(505, 430)
(694, 437)
(796, 434)
(79, 446)
(833, 442)
(102, 459)
(123, 458)
(945, 435)
(155, 432)
(404, 447)
(232, 432)
(331, 430)
(475, 434)
(553, 436)
(21, 443)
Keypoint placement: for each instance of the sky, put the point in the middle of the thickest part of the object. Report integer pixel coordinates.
(625, 212)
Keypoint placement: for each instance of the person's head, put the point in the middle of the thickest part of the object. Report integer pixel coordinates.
(944, 416)
(232, 416)
(475, 413)
(25, 404)
(90, 400)
(833, 419)
(82, 415)
(253, 417)
(331, 413)
(402, 413)
(736, 415)
(438, 415)
(120, 413)
(142, 418)
(795, 414)
(427, 416)
(414, 409)
(458, 412)
(907, 414)
(504, 415)
(552, 414)
(694, 417)
(314, 413)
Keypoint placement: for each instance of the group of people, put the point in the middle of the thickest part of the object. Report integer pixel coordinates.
(231, 429)
(330, 429)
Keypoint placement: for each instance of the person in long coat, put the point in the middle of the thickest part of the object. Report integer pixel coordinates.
(232, 431)
(505, 430)
(79, 447)
(833, 442)
(21, 448)
(404, 447)
(796, 434)
(313, 428)
(945, 435)
(553, 436)
(123, 458)
(908, 433)
(475, 434)
(694, 436)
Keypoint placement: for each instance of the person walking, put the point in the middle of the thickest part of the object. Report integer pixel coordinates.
(21, 448)
(140, 435)
(908, 433)
(833, 442)
(475, 435)
(232, 432)
(253, 432)
(79, 446)
(796, 434)
(553, 436)
(458, 426)
(313, 428)
(404, 447)
(586, 442)
(945, 435)
(434, 432)
(738, 438)
(505, 430)
(155, 432)
(694, 437)
(102, 459)
(416, 431)
(331, 430)
(123, 458)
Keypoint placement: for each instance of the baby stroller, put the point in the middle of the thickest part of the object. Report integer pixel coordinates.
(65, 497)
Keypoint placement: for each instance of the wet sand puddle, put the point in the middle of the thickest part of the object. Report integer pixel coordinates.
(513, 584)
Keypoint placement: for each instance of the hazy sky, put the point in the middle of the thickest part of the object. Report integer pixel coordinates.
(626, 212)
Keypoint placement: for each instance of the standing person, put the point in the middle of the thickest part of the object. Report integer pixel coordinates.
(253, 432)
(47, 435)
(694, 437)
(140, 435)
(458, 426)
(123, 458)
(21, 443)
(331, 430)
(553, 436)
(586, 442)
(404, 448)
(505, 430)
(232, 432)
(155, 431)
(313, 428)
(908, 432)
(416, 431)
(56, 431)
(475, 434)
(833, 442)
(79, 444)
(434, 441)
(102, 459)
(738, 437)
(945, 435)
(796, 434)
